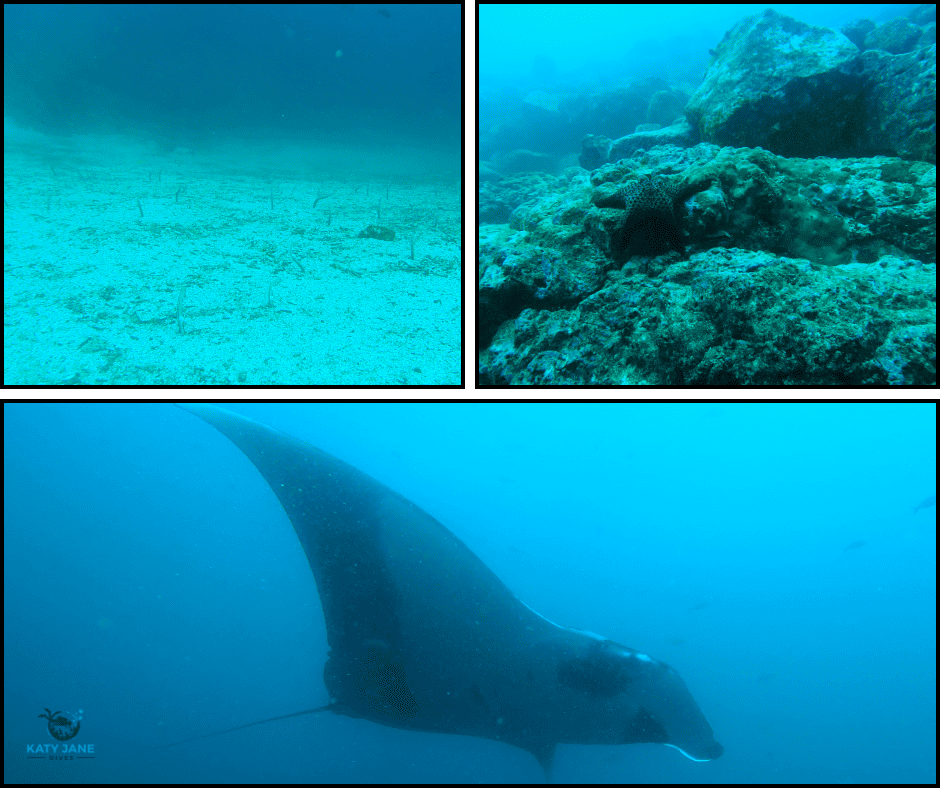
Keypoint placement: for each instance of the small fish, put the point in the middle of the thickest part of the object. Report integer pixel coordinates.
(700, 606)
(930, 500)
(854, 545)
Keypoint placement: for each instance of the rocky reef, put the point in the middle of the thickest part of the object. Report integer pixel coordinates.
(782, 233)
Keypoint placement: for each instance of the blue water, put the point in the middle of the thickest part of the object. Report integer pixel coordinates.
(152, 581)
(199, 74)
(590, 44)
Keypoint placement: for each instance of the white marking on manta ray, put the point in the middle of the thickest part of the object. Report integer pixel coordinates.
(697, 760)
(627, 652)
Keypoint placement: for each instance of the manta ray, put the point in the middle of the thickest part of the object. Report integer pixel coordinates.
(423, 636)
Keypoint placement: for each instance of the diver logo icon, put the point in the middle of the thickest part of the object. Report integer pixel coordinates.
(63, 725)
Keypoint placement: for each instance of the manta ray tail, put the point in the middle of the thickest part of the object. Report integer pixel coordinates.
(247, 725)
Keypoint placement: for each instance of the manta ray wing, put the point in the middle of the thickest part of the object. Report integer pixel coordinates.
(423, 635)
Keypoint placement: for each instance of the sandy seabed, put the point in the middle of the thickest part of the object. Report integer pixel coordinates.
(125, 266)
